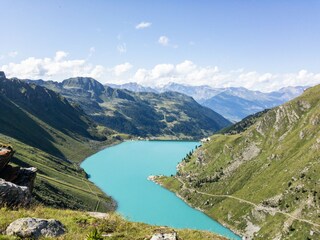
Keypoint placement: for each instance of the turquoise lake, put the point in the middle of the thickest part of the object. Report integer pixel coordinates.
(121, 171)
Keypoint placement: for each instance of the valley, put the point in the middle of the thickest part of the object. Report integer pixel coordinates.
(160, 120)
(54, 135)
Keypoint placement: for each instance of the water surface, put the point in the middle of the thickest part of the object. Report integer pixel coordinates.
(122, 171)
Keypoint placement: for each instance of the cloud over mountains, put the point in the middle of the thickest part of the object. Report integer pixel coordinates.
(60, 66)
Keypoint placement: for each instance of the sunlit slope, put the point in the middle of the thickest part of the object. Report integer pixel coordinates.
(271, 171)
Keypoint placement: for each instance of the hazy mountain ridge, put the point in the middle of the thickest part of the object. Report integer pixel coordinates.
(272, 162)
(132, 86)
(246, 102)
(140, 113)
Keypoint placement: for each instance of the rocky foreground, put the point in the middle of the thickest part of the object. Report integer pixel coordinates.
(16, 183)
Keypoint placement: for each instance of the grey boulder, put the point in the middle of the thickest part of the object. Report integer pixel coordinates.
(164, 236)
(35, 228)
(14, 195)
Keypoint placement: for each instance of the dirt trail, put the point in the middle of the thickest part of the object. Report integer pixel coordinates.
(248, 202)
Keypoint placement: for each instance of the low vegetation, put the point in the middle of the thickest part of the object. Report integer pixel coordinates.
(80, 225)
(262, 181)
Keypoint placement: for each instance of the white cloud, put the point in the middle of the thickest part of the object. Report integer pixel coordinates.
(13, 54)
(143, 25)
(60, 55)
(189, 73)
(163, 40)
(185, 67)
(60, 66)
(162, 70)
(121, 68)
(56, 68)
(122, 48)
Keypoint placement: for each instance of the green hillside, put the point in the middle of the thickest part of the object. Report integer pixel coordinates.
(79, 225)
(169, 115)
(50, 134)
(263, 182)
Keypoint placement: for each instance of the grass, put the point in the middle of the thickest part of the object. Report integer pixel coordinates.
(59, 183)
(286, 165)
(80, 224)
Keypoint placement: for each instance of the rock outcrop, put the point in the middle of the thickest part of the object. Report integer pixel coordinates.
(16, 183)
(35, 227)
(12, 195)
(6, 154)
(165, 236)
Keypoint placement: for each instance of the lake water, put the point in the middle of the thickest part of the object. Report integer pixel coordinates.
(121, 171)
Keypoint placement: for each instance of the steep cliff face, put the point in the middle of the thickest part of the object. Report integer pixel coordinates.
(262, 181)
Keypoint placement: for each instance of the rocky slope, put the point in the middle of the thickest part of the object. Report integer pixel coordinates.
(262, 181)
(169, 114)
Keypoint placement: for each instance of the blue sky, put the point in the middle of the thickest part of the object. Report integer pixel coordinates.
(256, 44)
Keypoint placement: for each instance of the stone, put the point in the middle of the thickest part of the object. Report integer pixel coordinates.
(26, 177)
(164, 236)
(98, 215)
(35, 228)
(12, 195)
(6, 154)
(9, 173)
(16, 185)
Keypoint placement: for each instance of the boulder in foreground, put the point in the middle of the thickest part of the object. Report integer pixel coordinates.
(164, 236)
(35, 228)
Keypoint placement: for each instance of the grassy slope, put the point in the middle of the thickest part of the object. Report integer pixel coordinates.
(48, 133)
(59, 183)
(79, 224)
(273, 164)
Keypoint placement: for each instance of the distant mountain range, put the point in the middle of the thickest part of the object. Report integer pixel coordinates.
(234, 103)
(146, 114)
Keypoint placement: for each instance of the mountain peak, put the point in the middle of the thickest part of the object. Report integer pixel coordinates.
(85, 83)
(2, 74)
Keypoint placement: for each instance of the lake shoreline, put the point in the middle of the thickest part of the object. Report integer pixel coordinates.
(153, 178)
(176, 195)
